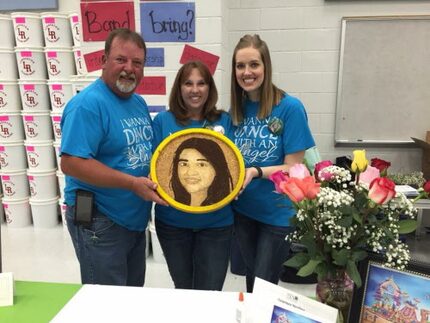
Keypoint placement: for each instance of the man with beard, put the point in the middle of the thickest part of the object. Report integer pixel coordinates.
(105, 153)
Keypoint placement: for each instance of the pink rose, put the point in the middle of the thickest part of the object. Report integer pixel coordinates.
(298, 189)
(320, 174)
(299, 171)
(369, 175)
(278, 177)
(382, 190)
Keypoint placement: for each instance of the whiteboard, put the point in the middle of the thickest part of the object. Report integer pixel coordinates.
(383, 92)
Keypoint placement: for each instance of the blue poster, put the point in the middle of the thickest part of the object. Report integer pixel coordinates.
(154, 57)
(168, 21)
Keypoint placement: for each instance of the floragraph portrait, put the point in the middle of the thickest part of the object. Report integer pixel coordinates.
(197, 170)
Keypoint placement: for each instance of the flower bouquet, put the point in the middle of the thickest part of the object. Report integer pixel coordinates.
(341, 217)
(340, 220)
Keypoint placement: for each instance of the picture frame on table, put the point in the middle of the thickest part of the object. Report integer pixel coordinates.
(389, 294)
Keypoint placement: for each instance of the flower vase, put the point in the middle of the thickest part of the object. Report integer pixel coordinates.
(336, 292)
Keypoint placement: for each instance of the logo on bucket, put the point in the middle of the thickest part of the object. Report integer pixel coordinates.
(26, 65)
(57, 129)
(52, 33)
(30, 98)
(3, 159)
(7, 214)
(33, 158)
(3, 99)
(21, 32)
(31, 128)
(8, 186)
(33, 186)
(57, 99)
(53, 65)
(5, 128)
(76, 31)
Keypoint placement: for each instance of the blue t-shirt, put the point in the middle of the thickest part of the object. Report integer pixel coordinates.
(117, 132)
(261, 147)
(164, 125)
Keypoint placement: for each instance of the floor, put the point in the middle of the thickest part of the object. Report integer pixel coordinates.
(48, 255)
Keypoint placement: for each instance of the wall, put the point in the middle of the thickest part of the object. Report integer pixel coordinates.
(304, 39)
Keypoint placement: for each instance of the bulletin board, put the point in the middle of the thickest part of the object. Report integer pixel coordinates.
(384, 75)
(28, 4)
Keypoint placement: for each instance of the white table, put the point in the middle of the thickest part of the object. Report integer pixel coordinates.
(97, 303)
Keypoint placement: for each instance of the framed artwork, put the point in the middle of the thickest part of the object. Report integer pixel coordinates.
(197, 170)
(391, 295)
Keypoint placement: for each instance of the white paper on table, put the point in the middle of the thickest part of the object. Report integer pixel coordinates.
(268, 298)
(407, 190)
(6, 289)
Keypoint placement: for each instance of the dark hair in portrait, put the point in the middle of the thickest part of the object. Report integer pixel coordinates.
(222, 184)
(270, 95)
(176, 102)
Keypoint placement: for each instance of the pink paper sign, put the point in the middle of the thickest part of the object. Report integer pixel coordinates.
(152, 85)
(99, 19)
(194, 54)
(94, 60)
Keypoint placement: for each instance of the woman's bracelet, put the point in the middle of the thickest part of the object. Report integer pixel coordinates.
(259, 171)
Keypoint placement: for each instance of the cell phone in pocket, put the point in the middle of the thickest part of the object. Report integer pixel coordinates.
(84, 205)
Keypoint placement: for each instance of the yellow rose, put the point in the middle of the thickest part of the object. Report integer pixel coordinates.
(359, 164)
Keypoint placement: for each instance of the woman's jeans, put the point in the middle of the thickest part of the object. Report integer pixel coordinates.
(263, 247)
(108, 254)
(196, 258)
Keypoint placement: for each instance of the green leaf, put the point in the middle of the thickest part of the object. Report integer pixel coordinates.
(357, 217)
(308, 241)
(359, 255)
(352, 271)
(407, 226)
(309, 268)
(321, 270)
(345, 222)
(298, 260)
(340, 257)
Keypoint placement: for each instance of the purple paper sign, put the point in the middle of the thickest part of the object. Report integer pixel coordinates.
(168, 22)
(154, 57)
(156, 108)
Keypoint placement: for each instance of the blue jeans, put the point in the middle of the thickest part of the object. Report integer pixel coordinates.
(263, 247)
(108, 254)
(196, 258)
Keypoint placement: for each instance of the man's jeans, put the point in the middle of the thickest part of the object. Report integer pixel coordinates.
(108, 254)
(197, 259)
(263, 247)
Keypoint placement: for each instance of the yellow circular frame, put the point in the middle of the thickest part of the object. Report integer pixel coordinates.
(213, 135)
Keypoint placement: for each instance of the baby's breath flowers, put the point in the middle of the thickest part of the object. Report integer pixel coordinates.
(339, 220)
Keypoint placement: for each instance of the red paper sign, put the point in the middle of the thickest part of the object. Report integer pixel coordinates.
(152, 85)
(194, 54)
(93, 60)
(100, 18)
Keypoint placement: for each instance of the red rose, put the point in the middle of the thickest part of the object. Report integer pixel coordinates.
(380, 164)
(382, 190)
(426, 186)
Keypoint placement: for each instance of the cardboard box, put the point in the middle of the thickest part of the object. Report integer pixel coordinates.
(425, 160)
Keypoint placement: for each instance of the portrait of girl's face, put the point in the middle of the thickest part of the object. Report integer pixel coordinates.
(195, 172)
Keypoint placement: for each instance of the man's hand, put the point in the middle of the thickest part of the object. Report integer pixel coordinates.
(146, 189)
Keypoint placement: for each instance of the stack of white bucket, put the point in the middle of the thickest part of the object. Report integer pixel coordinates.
(64, 61)
(32, 70)
(12, 152)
